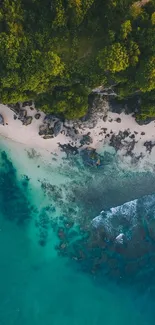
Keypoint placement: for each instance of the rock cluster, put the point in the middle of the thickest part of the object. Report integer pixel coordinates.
(21, 113)
(149, 145)
(51, 127)
(1, 119)
(86, 139)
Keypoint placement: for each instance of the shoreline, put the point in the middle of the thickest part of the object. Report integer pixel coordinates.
(134, 143)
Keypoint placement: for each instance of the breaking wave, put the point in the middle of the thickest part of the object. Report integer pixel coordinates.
(125, 218)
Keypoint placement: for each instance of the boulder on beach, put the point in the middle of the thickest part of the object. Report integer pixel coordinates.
(27, 120)
(37, 116)
(118, 120)
(57, 128)
(86, 139)
(48, 136)
(1, 119)
(49, 118)
(15, 108)
(45, 130)
(22, 114)
(28, 103)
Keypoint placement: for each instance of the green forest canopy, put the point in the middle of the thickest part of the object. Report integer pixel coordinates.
(55, 52)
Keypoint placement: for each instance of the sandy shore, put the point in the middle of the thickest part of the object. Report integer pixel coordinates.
(27, 135)
(134, 146)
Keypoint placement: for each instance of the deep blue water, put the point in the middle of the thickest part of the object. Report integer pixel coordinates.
(58, 267)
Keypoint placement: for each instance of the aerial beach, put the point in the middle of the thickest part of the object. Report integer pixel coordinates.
(57, 176)
(120, 131)
(77, 162)
(25, 148)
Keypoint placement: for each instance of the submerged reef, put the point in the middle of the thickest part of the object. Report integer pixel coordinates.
(119, 243)
(13, 194)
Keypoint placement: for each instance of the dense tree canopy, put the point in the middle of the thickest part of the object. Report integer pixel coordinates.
(55, 52)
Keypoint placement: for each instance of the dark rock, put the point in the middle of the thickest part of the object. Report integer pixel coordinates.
(91, 158)
(22, 114)
(28, 103)
(15, 117)
(43, 129)
(105, 118)
(116, 140)
(57, 127)
(118, 120)
(1, 119)
(86, 139)
(126, 133)
(37, 116)
(48, 136)
(104, 130)
(129, 148)
(28, 120)
(132, 136)
(115, 106)
(50, 131)
(49, 118)
(149, 145)
(15, 108)
(142, 133)
(31, 108)
(135, 132)
(68, 149)
(76, 131)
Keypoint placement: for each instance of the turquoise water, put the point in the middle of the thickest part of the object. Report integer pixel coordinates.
(45, 217)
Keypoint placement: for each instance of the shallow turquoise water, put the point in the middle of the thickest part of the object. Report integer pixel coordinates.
(38, 285)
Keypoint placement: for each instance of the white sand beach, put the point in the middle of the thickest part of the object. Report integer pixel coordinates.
(100, 135)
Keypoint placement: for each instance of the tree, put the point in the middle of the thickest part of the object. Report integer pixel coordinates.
(113, 58)
(126, 29)
(153, 18)
(133, 52)
(145, 75)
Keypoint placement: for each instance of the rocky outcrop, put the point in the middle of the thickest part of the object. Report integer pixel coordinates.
(22, 115)
(91, 158)
(28, 103)
(43, 129)
(86, 139)
(15, 108)
(149, 145)
(57, 128)
(27, 120)
(68, 149)
(37, 116)
(49, 119)
(46, 131)
(1, 119)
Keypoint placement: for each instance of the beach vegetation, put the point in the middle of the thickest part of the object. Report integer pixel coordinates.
(56, 52)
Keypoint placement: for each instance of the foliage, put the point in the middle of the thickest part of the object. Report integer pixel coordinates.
(126, 29)
(145, 76)
(153, 18)
(113, 58)
(72, 103)
(55, 51)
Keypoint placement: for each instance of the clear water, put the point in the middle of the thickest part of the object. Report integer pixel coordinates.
(42, 283)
